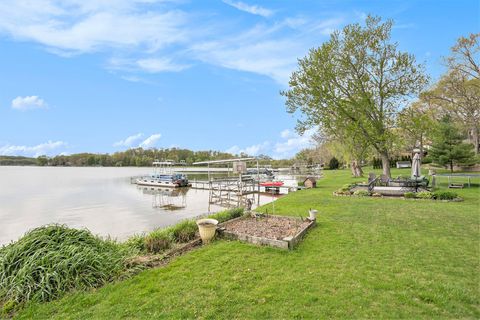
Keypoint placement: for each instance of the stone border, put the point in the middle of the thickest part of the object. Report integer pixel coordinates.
(158, 260)
(287, 243)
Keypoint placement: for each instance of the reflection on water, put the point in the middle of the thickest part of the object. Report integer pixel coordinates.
(100, 199)
(169, 199)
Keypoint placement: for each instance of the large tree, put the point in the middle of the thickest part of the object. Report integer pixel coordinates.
(464, 57)
(457, 93)
(414, 123)
(354, 84)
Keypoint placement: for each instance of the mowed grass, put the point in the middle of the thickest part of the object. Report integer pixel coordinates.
(367, 258)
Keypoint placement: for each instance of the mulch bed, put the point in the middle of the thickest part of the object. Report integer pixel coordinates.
(271, 227)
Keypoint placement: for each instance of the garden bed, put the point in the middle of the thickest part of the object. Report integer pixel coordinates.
(276, 231)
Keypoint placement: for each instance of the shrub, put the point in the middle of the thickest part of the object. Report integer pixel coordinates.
(184, 231)
(158, 240)
(333, 164)
(346, 187)
(51, 260)
(361, 193)
(426, 160)
(409, 195)
(445, 195)
(425, 195)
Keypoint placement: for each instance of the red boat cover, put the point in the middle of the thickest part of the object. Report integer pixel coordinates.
(271, 184)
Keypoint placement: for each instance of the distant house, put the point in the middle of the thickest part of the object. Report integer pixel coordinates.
(310, 182)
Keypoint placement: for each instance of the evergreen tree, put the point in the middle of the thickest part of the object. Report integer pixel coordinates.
(333, 164)
(448, 147)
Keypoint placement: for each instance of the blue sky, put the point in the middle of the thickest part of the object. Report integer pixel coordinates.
(103, 76)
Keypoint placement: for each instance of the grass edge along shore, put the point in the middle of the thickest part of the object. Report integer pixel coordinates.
(368, 257)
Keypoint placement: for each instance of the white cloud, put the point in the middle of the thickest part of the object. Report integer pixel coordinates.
(286, 133)
(253, 150)
(159, 65)
(292, 143)
(32, 151)
(128, 142)
(150, 141)
(152, 36)
(28, 103)
(150, 65)
(90, 25)
(252, 9)
(270, 50)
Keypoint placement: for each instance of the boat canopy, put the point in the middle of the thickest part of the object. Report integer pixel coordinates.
(224, 161)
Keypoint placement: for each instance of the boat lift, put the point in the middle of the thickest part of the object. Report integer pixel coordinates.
(233, 191)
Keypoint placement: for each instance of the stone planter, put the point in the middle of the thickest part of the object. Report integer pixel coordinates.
(207, 228)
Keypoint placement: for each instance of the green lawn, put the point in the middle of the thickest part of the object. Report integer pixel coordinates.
(367, 258)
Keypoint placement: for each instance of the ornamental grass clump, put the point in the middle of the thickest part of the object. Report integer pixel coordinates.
(184, 231)
(159, 240)
(136, 242)
(51, 260)
(227, 215)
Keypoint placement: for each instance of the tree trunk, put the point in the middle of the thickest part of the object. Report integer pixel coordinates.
(385, 163)
(451, 166)
(421, 146)
(475, 140)
(356, 169)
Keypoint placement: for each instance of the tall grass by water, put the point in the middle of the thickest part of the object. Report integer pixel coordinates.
(51, 260)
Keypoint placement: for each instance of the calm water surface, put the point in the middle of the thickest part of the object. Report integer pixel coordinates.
(100, 199)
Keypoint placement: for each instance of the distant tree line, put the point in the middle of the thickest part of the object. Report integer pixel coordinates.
(17, 161)
(137, 157)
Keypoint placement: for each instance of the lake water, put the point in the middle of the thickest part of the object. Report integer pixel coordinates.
(100, 199)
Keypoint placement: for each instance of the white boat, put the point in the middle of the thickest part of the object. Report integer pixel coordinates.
(163, 176)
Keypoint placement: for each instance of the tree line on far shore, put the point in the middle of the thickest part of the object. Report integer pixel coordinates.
(137, 157)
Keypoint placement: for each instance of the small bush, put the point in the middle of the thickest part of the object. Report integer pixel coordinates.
(445, 195)
(346, 187)
(333, 164)
(158, 240)
(361, 193)
(51, 260)
(409, 195)
(425, 195)
(184, 231)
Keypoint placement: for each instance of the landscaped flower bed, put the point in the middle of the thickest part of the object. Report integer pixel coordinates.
(277, 231)
(356, 191)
